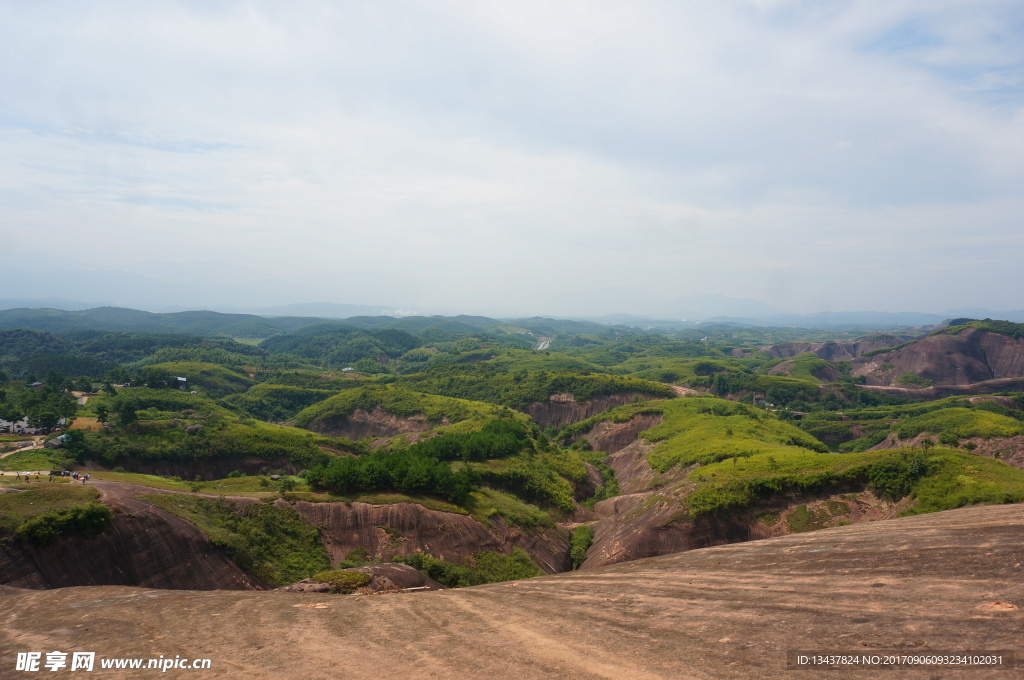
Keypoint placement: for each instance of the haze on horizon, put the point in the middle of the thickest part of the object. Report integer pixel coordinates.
(514, 158)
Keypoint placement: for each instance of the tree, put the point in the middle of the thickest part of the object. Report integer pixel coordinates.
(46, 416)
(125, 411)
(75, 443)
(101, 413)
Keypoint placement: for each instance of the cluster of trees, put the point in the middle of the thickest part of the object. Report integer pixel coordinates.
(424, 467)
(485, 567)
(43, 406)
(404, 470)
(517, 388)
(497, 439)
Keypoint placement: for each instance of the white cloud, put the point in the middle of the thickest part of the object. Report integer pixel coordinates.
(519, 155)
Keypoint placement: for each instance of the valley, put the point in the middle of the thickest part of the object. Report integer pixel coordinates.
(349, 459)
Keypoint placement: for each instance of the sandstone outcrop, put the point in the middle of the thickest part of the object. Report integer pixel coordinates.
(376, 423)
(944, 581)
(970, 356)
(388, 577)
(405, 528)
(145, 546)
(563, 409)
(833, 351)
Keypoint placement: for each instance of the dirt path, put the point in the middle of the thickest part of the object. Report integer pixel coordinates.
(686, 391)
(37, 443)
(949, 581)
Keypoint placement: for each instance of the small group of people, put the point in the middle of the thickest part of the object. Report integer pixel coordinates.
(82, 477)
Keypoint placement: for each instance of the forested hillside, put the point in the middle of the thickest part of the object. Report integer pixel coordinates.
(610, 443)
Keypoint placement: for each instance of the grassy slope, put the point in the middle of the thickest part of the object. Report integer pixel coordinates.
(401, 402)
(37, 498)
(950, 478)
(274, 544)
(702, 430)
(961, 423)
(275, 402)
(163, 432)
(771, 458)
(215, 380)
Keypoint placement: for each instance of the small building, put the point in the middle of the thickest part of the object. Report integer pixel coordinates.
(56, 442)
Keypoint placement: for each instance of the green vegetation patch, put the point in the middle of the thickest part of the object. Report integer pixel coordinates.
(217, 381)
(579, 544)
(938, 479)
(803, 366)
(617, 414)
(271, 543)
(397, 401)
(911, 379)
(704, 430)
(959, 479)
(536, 477)
(83, 521)
(37, 498)
(1014, 330)
(609, 485)
(486, 503)
(343, 581)
(166, 424)
(483, 567)
(961, 423)
(275, 402)
(30, 459)
(803, 518)
(515, 386)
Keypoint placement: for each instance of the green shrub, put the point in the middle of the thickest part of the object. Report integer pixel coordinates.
(582, 539)
(341, 581)
(84, 521)
(484, 567)
(274, 544)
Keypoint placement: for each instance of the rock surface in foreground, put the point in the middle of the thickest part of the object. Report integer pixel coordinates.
(950, 581)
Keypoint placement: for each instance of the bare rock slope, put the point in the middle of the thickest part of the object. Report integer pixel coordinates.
(145, 546)
(947, 582)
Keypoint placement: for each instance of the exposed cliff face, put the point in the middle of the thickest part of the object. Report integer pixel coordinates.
(822, 373)
(389, 577)
(563, 409)
(145, 546)
(1009, 450)
(611, 437)
(833, 351)
(375, 423)
(651, 517)
(970, 356)
(405, 528)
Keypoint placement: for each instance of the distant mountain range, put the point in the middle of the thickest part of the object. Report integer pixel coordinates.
(208, 323)
(61, 315)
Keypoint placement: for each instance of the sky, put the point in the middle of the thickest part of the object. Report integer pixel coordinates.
(530, 157)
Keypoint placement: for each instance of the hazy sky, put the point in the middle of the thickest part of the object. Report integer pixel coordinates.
(514, 157)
